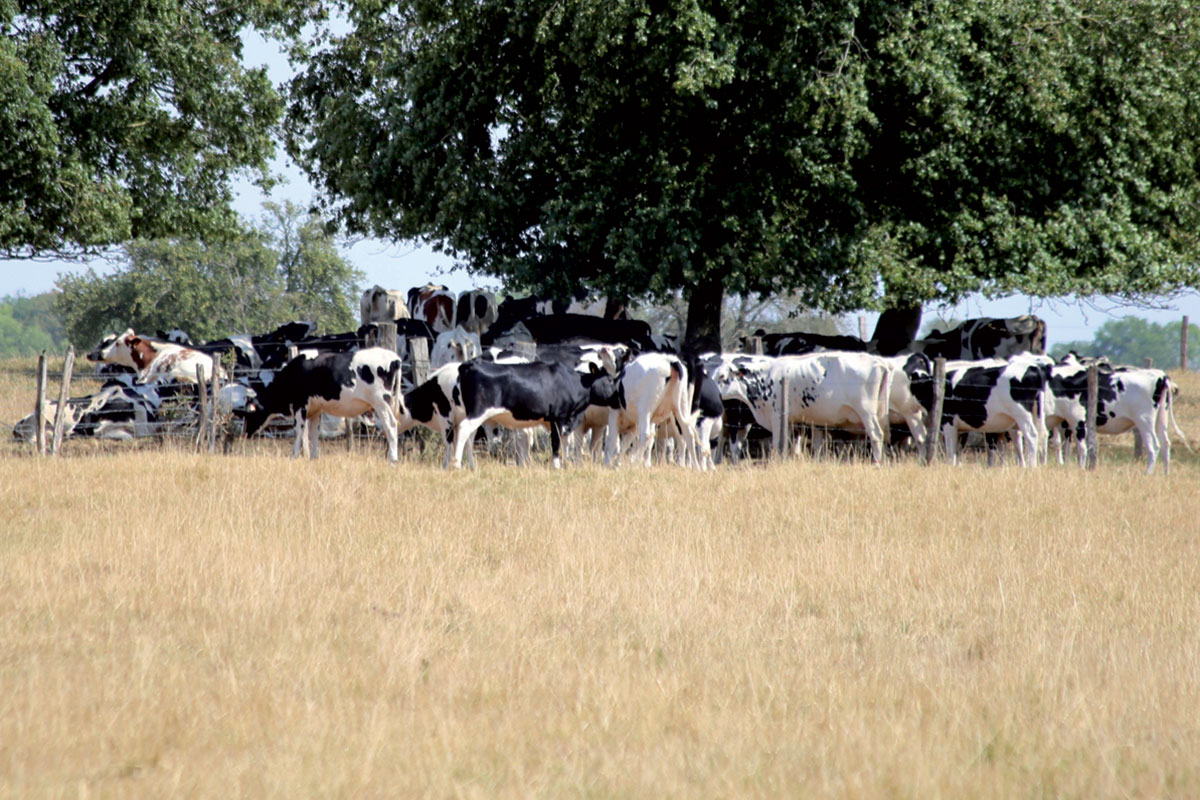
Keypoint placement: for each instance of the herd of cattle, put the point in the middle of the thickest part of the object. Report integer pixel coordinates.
(600, 381)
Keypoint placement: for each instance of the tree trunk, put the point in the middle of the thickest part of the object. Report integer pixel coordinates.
(896, 329)
(704, 317)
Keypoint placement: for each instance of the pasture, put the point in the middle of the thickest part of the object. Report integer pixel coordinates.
(244, 625)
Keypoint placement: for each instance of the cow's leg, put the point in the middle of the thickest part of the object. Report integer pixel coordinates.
(385, 419)
(1149, 441)
(555, 445)
(950, 440)
(300, 433)
(612, 443)
(464, 436)
(1164, 438)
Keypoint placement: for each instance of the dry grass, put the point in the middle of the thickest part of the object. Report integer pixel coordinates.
(246, 625)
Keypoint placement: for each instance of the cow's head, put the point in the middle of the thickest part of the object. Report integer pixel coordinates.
(114, 349)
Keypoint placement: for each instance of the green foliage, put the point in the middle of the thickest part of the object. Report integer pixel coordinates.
(29, 325)
(1129, 340)
(859, 155)
(286, 269)
(129, 120)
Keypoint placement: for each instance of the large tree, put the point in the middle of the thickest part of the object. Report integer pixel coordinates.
(129, 119)
(868, 154)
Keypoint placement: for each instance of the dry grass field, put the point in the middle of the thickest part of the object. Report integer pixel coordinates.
(246, 625)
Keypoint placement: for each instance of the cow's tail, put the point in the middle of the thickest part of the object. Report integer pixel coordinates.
(1170, 411)
(395, 388)
(884, 401)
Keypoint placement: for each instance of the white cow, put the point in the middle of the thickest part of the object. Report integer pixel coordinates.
(652, 390)
(836, 390)
(454, 345)
(154, 360)
(382, 305)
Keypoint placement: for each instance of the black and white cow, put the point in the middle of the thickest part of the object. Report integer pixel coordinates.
(538, 393)
(1130, 398)
(119, 410)
(985, 337)
(836, 390)
(431, 405)
(476, 310)
(991, 396)
(338, 384)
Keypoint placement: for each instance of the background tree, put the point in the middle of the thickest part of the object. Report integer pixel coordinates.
(869, 154)
(1131, 339)
(129, 120)
(29, 325)
(286, 269)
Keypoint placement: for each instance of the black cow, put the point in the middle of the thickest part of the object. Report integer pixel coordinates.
(339, 384)
(800, 343)
(521, 396)
(577, 329)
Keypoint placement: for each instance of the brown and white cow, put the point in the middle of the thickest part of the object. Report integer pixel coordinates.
(434, 305)
(153, 359)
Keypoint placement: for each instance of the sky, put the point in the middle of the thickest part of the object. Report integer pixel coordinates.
(403, 265)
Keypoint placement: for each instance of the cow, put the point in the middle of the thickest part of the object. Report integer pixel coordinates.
(707, 413)
(116, 411)
(829, 389)
(431, 405)
(338, 384)
(984, 338)
(795, 344)
(650, 390)
(454, 345)
(175, 336)
(513, 309)
(153, 359)
(574, 329)
(538, 393)
(1129, 398)
(382, 305)
(433, 304)
(476, 310)
(990, 396)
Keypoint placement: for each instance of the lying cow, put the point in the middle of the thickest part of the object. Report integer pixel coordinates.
(116, 411)
(338, 384)
(154, 359)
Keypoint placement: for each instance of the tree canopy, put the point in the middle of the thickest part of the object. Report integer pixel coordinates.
(862, 155)
(129, 119)
(286, 269)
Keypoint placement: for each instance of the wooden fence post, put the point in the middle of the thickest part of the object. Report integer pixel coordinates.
(215, 392)
(933, 431)
(385, 336)
(785, 418)
(1093, 401)
(39, 411)
(756, 345)
(64, 394)
(862, 328)
(200, 435)
(1183, 345)
(525, 350)
(418, 349)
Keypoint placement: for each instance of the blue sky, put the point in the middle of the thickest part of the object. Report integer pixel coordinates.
(401, 265)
